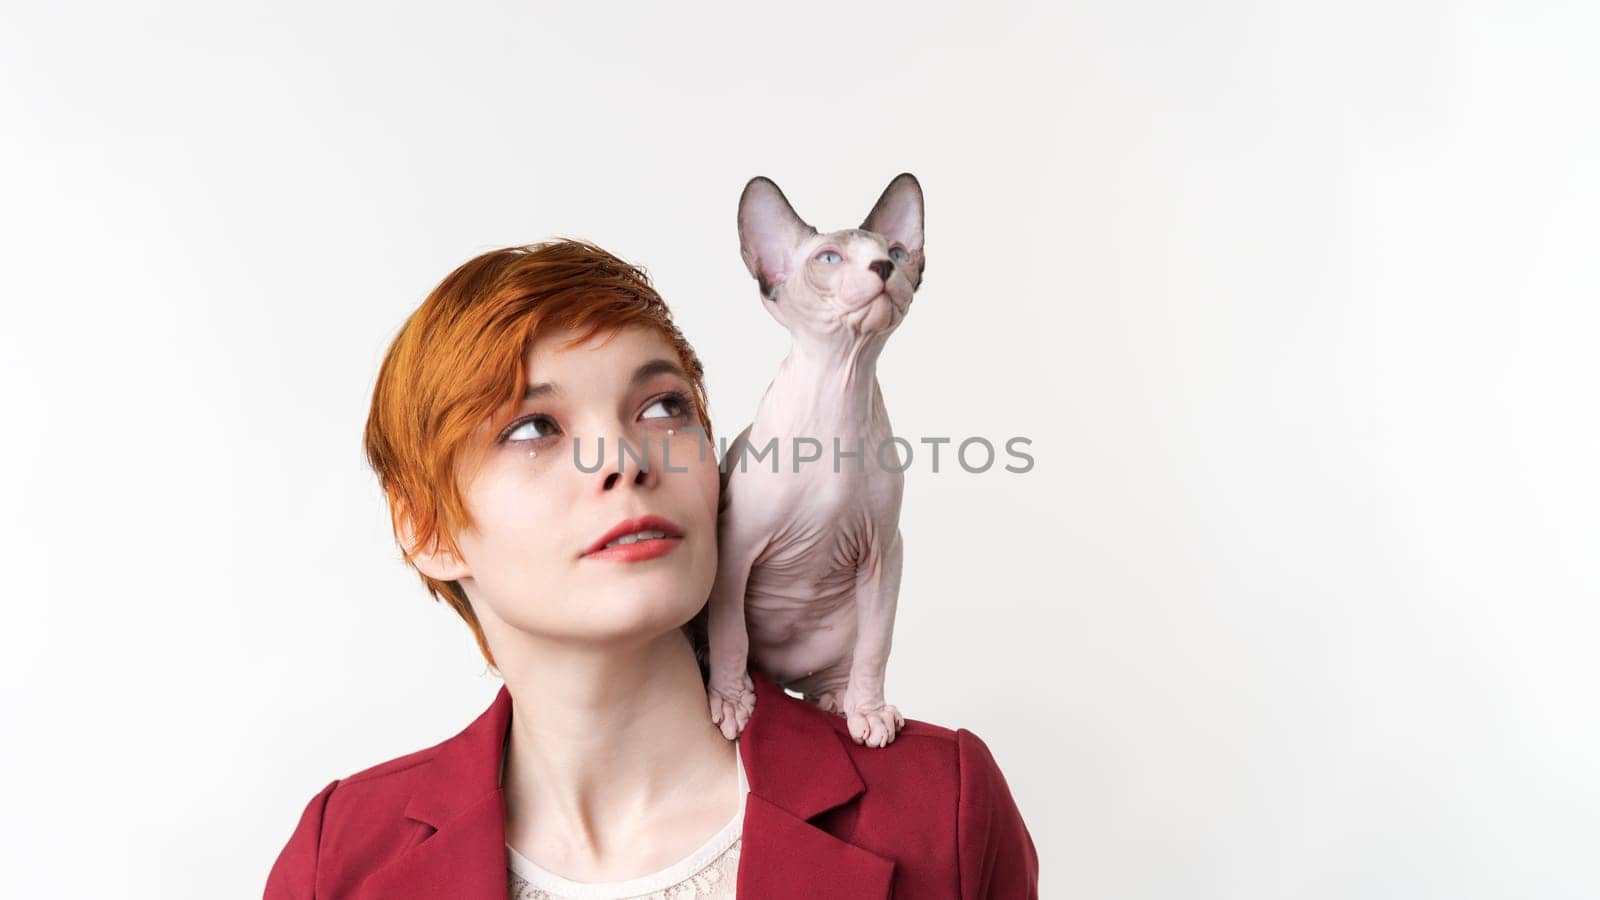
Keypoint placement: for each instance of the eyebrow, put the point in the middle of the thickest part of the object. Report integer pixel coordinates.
(644, 373)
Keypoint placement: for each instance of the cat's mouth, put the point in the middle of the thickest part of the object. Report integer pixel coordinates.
(885, 295)
(880, 312)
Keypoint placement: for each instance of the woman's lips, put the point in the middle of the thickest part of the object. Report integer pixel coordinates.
(634, 526)
(649, 548)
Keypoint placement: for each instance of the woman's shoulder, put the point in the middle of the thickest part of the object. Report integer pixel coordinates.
(390, 778)
(375, 813)
(925, 756)
(935, 799)
(469, 758)
(921, 749)
(360, 816)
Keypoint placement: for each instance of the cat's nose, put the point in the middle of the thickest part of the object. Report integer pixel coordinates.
(884, 268)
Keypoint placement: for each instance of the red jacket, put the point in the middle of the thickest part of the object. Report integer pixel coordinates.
(929, 816)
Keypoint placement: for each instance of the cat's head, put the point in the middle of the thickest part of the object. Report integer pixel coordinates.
(858, 280)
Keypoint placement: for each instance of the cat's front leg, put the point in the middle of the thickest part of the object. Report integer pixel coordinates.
(872, 722)
(730, 692)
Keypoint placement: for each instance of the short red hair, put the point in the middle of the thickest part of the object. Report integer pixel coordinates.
(459, 359)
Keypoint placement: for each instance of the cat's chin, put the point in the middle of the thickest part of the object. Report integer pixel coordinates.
(880, 313)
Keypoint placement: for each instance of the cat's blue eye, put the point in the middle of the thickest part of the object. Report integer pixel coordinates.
(830, 256)
(898, 254)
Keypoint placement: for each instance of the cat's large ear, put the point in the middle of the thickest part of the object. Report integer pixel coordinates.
(898, 213)
(769, 230)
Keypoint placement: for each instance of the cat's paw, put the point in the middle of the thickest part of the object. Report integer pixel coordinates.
(874, 724)
(732, 700)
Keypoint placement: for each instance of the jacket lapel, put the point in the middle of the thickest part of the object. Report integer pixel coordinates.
(797, 768)
(459, 851)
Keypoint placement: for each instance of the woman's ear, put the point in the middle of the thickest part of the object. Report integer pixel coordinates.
(435, 562)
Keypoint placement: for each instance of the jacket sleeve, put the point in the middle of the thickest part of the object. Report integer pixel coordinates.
(294, 875)
(995, 852)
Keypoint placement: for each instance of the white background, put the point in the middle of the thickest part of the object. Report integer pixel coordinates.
(1297, 303)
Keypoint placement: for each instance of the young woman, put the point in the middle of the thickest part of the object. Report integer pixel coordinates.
(539, 428)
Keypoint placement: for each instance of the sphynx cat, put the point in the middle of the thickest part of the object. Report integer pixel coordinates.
(809, 549)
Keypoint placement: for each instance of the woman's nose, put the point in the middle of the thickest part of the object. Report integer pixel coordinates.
(614, 477)
(630, 460)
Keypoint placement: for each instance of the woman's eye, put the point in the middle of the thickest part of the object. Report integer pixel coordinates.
(533, 428)
(830, 256)
(670, 402)
(898, 254)
(525, 431)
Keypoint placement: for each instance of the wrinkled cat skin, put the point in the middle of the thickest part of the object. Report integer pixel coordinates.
(809, 560)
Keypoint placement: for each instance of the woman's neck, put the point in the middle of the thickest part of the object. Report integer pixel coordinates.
(605, 745)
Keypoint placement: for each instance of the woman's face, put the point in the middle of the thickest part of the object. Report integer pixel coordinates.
(528, 566)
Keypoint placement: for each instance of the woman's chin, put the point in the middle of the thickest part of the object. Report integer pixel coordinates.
(641, 608)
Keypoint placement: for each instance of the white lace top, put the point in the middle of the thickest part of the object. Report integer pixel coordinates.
(707, 873)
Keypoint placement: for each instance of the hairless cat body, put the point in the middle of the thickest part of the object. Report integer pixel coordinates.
(809, 557)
